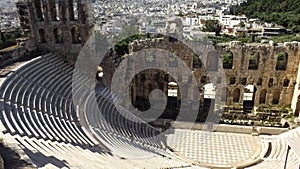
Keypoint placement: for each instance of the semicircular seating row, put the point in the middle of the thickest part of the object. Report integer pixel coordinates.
(36, 102)
(277, 156)
(119, 128)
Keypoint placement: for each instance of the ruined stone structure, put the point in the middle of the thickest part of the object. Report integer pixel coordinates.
(63, 26)
(272, 69)
(60, 26)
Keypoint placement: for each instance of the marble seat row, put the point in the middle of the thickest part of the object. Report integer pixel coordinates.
(119, 128)
(279, 146)
(36, 104)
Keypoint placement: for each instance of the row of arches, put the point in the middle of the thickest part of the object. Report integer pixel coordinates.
(212, 61)
(262, 99)
(58, 9)
(285, 82)
(254, 58)
(249, 93)
(59, 36)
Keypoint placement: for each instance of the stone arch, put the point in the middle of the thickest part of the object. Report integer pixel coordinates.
(276, 96)
(212, 61)
(228, 60)
(262, 96)
(42, 36)
(253, 61)
(38, 9)
(76, 37)
(286, 82)
(282, 60)
(58, 35)
(236, 95)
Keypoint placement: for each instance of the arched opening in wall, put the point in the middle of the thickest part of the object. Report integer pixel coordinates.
(282, 60)
(57, 4)
(42, 36)
(262, 96)
(224, 94)
(142, 86)
(243, 80)
(249, 98)
(212, 61)
(53, 11)
(286, 82)
(76, 37)
(270, 84)
(58, 35)
(253, 61)
(259, 82)
(81, 13)
(236, 95)
(38, 10)
(62, 10)
(296, 112)
(209, 100)
(75, 8)
(228, 60)
(71, 10)
(232, 80)
(276, 96)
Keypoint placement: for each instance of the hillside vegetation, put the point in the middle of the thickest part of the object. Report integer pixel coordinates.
(282, 12)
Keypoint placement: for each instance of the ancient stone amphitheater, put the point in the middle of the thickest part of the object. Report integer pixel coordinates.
(40, 121)
(47, 127)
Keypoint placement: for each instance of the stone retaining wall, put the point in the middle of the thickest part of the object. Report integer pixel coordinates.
(10, 56)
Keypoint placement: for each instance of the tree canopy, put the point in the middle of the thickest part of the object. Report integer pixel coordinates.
(282, 12)
(212, 26)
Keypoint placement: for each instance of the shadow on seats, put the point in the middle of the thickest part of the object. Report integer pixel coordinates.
(41, 160)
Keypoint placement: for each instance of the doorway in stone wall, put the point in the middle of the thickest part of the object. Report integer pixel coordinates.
(249, 98)
(173, 102)
(209, 100)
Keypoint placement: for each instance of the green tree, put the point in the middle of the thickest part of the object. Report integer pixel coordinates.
(212, 26)
(242, 24)
(282, 12)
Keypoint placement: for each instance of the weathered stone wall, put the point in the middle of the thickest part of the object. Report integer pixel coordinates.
(274, 79)
(266, 72)
(11, 55)
(57, 27)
